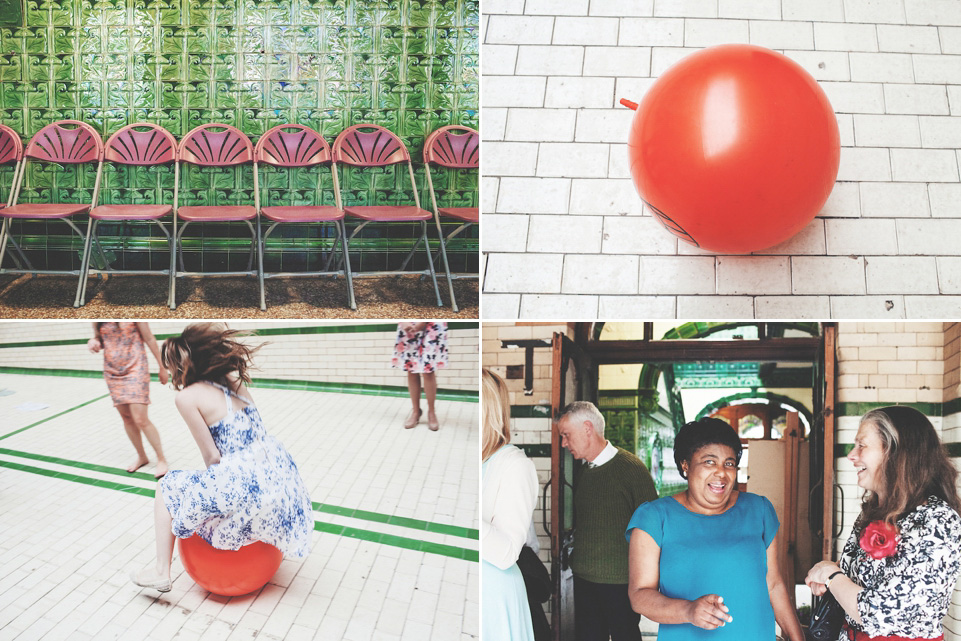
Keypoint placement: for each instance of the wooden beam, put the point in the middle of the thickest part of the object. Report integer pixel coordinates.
(686, 351)
(830, 342)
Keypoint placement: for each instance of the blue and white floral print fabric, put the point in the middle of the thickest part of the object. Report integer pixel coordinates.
(254, 493)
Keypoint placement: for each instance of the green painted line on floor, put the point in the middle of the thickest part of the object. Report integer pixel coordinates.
(320, 526)
(263, 331)
(76, 478)
(144, 476)
(399, 521)
(398, 541)
(396, 391)
(50, 418)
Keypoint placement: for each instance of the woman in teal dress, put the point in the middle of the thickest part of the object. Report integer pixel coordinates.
(509, 492)
(703, 563)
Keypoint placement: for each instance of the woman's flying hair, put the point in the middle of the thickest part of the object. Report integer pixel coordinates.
(207, 352)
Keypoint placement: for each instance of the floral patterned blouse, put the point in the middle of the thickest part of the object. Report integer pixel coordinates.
(907, 594)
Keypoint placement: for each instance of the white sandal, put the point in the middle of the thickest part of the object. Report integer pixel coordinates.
(161, 585)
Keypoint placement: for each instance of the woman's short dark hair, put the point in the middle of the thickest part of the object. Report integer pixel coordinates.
(706, 431)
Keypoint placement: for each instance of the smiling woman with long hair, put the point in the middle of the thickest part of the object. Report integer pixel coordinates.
(903, 558)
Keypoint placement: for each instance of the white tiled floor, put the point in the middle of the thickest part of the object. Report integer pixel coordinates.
(565, 230)
(66, 547)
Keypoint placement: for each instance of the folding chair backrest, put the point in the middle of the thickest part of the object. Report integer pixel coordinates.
(11, 148)
(373, 148)
(151, 145)
(204, 146)
(453, 146)
(292, 146)
(60, 144)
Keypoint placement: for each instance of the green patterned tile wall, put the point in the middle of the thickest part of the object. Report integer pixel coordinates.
(409, 65)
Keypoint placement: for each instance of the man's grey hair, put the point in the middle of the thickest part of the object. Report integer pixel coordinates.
(584, 411)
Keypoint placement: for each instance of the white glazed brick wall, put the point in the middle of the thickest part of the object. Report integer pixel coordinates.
(338, 357)
(567, 236)
(900, 362)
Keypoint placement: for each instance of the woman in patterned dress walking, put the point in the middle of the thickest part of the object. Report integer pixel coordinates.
(128, 379)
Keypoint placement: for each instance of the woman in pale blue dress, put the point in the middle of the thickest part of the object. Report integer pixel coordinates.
(251, 489)
(509, 492)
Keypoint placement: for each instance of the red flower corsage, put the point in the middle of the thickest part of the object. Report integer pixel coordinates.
(879, 540)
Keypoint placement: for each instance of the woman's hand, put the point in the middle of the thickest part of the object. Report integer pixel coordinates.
(818, 575)
(163, 376)
(709, 612)
(94, 346)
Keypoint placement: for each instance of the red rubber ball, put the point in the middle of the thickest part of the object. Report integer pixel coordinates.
(735, 148)
(229, 572)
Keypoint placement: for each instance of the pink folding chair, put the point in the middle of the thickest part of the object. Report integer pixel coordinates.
(141, 144)
(11, 151)
(214, 145)
(368, 145)
(66, 142)
(300, 146)
(452, 147)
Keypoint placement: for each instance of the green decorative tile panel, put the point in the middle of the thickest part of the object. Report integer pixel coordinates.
(409, 65)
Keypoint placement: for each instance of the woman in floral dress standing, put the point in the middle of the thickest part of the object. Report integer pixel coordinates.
(421, 350)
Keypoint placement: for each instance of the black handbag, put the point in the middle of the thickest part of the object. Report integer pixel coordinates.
(827, 617)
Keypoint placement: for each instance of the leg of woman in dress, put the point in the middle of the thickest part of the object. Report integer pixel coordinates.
(157, 576)
(413, 386)
(430, 391)
(142, 423)
(133, 433)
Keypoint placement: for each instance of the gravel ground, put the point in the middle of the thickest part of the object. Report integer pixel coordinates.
(145, 297)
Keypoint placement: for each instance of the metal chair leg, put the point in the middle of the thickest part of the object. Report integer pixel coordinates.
(79, 299)
(430, 264)
(342, 232)
(450, 282)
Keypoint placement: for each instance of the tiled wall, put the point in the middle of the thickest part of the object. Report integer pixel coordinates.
(409, 65)
(336, 357)
(568, 236)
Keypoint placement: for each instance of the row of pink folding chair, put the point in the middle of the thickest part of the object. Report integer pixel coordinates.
(219, 145)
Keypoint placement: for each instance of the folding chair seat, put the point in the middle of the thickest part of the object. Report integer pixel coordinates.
(367, 146)
(452, 147)
(299, 146)
(205, 146)
(142, 144)
(65, 142)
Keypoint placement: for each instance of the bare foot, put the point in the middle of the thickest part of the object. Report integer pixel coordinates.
(160, 470)
(150, 578)
(412, 419)
(136, 465)
(432, 423)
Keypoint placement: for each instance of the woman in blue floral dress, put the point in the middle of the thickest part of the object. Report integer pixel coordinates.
(421, 350)
(251, 489)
